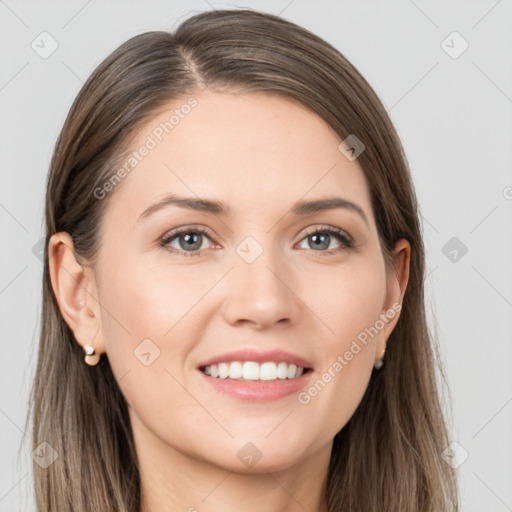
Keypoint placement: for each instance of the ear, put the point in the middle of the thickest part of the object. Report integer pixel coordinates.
(395, 288)
(75, 290)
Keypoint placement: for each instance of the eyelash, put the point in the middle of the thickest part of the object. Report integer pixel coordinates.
(346, 242)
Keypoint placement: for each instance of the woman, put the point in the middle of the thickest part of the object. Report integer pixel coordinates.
(288, 365)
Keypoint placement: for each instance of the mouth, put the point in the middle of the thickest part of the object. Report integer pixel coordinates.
(253, 371)
(256, 375)
(256, 364)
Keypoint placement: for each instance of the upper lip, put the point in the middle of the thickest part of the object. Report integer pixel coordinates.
(259, 356)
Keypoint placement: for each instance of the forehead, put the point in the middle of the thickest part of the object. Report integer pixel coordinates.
(249, 150)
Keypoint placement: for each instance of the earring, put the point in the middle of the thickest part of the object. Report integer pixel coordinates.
(379, 363)
(91, 358)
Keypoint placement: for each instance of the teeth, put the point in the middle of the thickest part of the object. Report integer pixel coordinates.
(268, 371)
(292, 371)
(223, 370)
(235, 370)
(250, 370)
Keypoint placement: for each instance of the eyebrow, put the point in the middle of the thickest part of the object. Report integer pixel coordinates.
(303, 207)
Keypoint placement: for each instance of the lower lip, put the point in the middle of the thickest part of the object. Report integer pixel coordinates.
(258, 391)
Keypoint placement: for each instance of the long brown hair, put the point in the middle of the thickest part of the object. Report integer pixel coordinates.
(388, 457)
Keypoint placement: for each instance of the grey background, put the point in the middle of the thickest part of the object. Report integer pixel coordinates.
(453, 115)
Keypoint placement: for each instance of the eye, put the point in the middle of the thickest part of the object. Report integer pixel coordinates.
(320, 238)
(189, 241)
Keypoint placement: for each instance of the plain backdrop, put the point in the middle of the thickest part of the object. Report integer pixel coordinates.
(444, 72)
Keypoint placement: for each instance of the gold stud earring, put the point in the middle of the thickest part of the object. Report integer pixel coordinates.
(91, 358)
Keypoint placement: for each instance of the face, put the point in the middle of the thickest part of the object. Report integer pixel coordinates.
(259, 276)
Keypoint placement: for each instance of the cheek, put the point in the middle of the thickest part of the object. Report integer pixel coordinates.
(149, 300)
(145, 308)
(349, 305)
(345, 299)
(150, 318)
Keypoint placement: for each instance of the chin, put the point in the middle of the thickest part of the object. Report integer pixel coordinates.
(257, 457)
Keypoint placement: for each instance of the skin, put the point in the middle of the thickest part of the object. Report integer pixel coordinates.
(293, 296)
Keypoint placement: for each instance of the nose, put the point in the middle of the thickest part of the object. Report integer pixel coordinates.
(261, 293)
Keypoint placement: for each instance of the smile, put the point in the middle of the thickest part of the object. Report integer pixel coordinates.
(251, 370)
